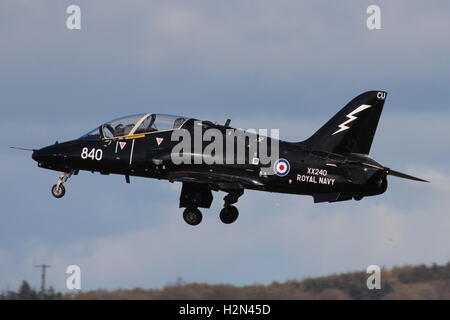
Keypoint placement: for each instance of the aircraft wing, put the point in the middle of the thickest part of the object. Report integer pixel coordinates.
(219, 179)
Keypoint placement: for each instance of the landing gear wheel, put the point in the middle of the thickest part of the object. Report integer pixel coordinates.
(229, 214)
(192, 216)
(58, 191)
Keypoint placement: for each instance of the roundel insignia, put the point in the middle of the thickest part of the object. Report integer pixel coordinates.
(281, 167)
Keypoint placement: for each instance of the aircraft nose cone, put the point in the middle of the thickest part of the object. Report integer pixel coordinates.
(36, 155)
(41, 155)
(52, 157)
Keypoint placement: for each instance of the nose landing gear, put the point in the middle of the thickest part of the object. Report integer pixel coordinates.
(58, 189)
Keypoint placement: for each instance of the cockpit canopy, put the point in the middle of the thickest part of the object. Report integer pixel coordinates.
(136, 124)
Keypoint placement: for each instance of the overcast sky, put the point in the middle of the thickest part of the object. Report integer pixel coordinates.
(265, 64)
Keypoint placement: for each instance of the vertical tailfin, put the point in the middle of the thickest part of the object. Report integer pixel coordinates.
(352, 129)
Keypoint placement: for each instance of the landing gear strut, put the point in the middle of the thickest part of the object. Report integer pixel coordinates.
(58, 190)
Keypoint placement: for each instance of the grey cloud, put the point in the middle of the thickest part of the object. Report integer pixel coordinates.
(272, 39)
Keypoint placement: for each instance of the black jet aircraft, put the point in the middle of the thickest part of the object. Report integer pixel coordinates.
(332, 165)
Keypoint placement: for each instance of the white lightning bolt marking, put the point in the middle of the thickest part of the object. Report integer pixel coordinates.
(351, 117)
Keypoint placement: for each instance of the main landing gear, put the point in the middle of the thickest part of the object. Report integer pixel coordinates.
(192, 216)
(58, 189)
(230, 213)
(194, 196)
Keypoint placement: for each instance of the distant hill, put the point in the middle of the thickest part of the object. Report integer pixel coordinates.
(407, 282)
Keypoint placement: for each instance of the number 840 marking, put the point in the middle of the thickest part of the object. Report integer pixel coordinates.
(94, 154)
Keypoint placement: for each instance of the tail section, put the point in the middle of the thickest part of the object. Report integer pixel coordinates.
(353, 128)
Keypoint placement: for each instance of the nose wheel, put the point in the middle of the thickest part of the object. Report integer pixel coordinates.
(58, 189)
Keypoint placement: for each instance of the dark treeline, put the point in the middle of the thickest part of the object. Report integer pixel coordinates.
(25, 292)
(407, 282)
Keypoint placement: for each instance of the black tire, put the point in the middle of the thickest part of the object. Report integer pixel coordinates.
(229, 214)
(192, 216)
(58, 192)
